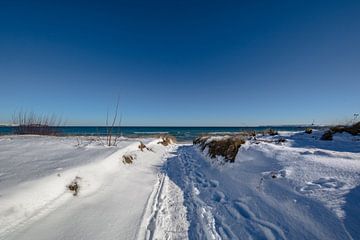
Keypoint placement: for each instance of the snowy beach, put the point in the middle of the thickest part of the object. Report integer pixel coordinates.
(179, 120)
(288, 186)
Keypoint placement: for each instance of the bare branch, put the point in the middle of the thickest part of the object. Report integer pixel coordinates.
(31, 123)
(110, 128)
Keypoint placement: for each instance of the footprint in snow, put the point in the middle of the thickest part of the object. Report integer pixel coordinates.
(214, 183)
(269, 230)
(205, 185)
(199, 174)
(329, 183)
(274, 174)
(200, 180)
(218, 196)
(322, 183)
(224, 229)
(243, 210)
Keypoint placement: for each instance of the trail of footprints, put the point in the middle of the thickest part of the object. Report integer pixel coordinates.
(243, 223)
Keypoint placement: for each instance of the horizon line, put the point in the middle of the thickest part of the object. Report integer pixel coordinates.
(173, 126)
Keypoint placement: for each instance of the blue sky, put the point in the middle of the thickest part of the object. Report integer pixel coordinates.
(181, 63)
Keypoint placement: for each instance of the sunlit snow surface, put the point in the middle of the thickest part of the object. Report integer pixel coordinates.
(303, 188)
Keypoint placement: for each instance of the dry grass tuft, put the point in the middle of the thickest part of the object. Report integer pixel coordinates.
(167, 140)
(327, 136)
(353, 129)
(227, 147)
(74, 186)
(31, 123)
(128, 159)
(142, 146)
(308, 130)
(271, 132)
(201, 141)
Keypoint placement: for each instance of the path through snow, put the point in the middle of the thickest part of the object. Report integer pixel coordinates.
(244, 201)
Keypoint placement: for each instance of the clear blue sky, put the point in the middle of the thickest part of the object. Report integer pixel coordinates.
(181, 62)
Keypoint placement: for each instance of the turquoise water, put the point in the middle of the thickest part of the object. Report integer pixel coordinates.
(181, 133)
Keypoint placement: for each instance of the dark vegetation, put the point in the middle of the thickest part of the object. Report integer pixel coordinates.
(167, 140)
(227, 147)
(31, 123)
(308, 130)
(142, 146)
(352, 129)
(327, 136)
(271, 132)
(281, 140)
(74, 186)
(128, 159)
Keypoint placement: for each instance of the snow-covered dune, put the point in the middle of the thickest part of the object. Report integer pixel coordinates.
(35, 197)
(296, 188)
(27, 158)
(293, 190)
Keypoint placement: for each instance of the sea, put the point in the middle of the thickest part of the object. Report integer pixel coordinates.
(182, 134)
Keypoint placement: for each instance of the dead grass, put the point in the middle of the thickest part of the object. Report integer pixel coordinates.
(74, 186)
(227, 147)
(353, 129)
(201, 141)
(128, 159)
(281, 140)
(31, 123)
(142, 146)
(271, 132)
(327, 136)
(167, 140)
(308, 130)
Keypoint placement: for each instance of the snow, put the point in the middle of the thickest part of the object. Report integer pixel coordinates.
(166, 216)
(303, 188)
(308, 178)
(26, 158)
(30, 207)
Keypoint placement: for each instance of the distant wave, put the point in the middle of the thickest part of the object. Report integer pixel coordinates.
(222, 132)
(151, 132)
